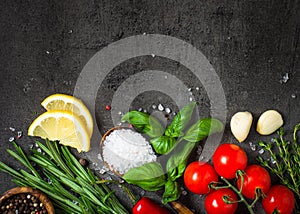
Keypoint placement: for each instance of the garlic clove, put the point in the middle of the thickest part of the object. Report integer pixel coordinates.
(269, 122)
(240, 125)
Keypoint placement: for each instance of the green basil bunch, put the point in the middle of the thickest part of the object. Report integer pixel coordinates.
(176, 142)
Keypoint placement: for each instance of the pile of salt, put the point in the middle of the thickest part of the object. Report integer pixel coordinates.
(124, 149)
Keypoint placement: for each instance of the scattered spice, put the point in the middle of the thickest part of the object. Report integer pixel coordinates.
(83, 162)
(23, 203)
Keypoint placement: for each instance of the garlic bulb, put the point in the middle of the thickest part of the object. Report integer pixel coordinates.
(269, 122)
(240, 125)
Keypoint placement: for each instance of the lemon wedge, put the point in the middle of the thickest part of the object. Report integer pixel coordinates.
(64, 126)
(70, 103)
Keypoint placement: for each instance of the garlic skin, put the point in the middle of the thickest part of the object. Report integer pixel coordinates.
(240, 125)
(269, 122)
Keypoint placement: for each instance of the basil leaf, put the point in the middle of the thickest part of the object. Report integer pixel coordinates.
(144, 123)
(180, 121)
(150, 176)
(163, 144)
(177, 161)
(172, 191)
(202, 129)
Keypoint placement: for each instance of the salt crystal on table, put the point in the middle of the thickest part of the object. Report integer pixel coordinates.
(168, 110)
(161, 107)
(154, 106)
(261, 151)
(12, 129)
(11, 139)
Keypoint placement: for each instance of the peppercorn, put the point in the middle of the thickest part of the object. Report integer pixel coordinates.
(23, 203)
(83, 162)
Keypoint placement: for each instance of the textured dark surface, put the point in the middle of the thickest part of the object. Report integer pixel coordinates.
(44, 46)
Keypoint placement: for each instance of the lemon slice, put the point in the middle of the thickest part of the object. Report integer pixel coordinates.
(70, 103)
(63, 126)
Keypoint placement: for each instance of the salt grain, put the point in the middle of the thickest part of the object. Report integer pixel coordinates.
(168, 110)
(12, 129)
(11, 139)
(124, 149)
(252, 146)
(261, 151)
(160, 107)
(154, 106)
(19, 134)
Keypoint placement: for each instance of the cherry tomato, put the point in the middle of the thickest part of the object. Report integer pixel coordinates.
(279, 198)
(214, 203)
(256, 177)
(198, 175)
(147, 206)
(228, 158)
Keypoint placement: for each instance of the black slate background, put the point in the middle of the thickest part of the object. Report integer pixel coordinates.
(45, 44)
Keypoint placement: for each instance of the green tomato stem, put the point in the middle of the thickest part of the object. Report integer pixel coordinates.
(239, 192)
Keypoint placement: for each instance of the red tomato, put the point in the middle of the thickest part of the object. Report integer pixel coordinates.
(228, 158)
(256, 177)
(279, 198)
(147, 206)
(214, 203)
(198, 175)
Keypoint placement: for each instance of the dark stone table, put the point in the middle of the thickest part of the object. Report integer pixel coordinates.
(252, 48)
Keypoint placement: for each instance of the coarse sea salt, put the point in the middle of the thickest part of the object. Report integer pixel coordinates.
(124, 149)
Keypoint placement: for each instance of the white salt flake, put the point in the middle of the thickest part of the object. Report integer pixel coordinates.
(272, 160)
(166, 77)
(168, 110)
(293, 96)
(12, 129)
(191, 99)
(153, 55)
(19, 134)
(189, 89)
(102, 171)
(11, 139)
(160, 107)
(252, 146)
(197, 88)
(261, 151)
(154, 106)
(140, 109)
(47, 52)
(284, 78)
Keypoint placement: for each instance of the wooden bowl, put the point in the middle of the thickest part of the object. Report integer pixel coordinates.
(102, 144)
(36, 193)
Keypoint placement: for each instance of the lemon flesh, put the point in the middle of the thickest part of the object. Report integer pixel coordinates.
(69, 103)
(63, 126)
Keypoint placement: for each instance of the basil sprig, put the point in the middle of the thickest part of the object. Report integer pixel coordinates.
(180, 121)
(172, 191)
(145, 123)
(163, 144)
(149, 176)
(203, 128)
